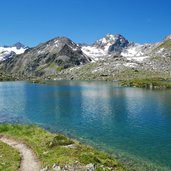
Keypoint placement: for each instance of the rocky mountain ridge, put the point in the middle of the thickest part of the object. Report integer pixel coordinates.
(117, 45)
(46, 58)
(58, 55)
(110, 44)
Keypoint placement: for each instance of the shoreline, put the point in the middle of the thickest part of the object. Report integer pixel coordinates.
(124, 160)
(148, 83)
(129, 161)
(59, 150)
(135, 83)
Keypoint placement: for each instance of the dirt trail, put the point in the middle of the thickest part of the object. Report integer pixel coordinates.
(29, 161)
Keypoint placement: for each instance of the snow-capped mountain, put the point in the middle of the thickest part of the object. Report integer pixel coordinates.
(110, 44)
(137, 50)
(117, 45)
(127, 61)
(47, 58)
(10, 51)
(111, 53)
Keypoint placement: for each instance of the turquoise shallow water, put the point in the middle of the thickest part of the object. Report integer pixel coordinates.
(133, 122)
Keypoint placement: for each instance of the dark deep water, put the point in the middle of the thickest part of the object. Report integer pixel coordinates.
(132, 122)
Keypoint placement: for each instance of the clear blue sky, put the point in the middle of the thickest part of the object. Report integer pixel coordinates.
(35, 21)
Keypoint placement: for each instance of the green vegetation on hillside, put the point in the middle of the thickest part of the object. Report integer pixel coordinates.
(147, 83)
(49, 67)
(166, 44)
(6, 77)
(55, 148)
(95, 71)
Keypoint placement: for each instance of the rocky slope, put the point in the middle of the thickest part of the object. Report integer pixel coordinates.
(110, 44)
(119, 68)
(132, 60)
(116, 45)
(110, 58)
(163, 48)
(46, 59)
(10, 51)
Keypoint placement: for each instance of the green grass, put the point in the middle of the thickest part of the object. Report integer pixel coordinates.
(166, 44)
(37, 81)
(51, 66)
(147, 83)
(58, 68)
(9, 158)
(51, 148)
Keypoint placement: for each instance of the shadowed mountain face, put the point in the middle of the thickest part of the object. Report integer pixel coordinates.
(47, 58)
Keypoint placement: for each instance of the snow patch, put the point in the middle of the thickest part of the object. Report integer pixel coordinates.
(93, 52)
(139, 59)
(131, 65)
(7, 52)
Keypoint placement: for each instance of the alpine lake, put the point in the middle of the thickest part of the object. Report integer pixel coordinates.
(133, 124)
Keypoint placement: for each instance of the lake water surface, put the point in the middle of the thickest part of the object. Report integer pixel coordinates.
(128, 122)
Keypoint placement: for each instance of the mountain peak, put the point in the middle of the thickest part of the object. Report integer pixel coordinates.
(64, 39)
(111, 43)
(18, 45)
(111, 38)
(61, 41)
(114, 36)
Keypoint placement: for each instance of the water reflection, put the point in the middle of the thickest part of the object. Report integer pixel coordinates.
(12, 102)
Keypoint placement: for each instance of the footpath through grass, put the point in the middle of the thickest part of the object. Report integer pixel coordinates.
(55, 149)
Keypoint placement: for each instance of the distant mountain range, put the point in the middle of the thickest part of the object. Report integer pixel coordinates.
(55, 55)
(118, 45)
(10, 51)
